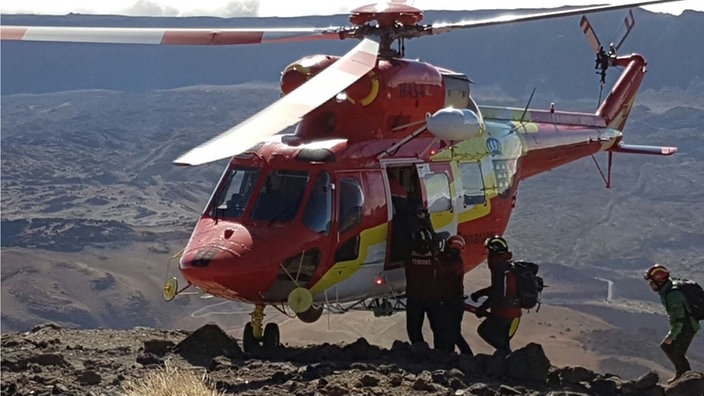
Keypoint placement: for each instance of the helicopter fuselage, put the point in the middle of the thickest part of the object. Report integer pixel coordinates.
(330, 207)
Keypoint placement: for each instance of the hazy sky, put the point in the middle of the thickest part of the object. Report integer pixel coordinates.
(283, 8)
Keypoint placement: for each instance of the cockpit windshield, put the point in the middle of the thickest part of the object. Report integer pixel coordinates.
(233, 199)
(280, 196)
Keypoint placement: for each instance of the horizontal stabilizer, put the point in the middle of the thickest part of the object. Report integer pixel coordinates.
(641, 149)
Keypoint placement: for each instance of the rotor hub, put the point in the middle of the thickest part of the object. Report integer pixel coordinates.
(387, 15)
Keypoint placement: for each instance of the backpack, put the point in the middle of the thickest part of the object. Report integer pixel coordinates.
(694, 294)
(528, 284)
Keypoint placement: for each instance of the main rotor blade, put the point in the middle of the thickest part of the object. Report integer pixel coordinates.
(289, 109)
(166, 36)
(509, 18)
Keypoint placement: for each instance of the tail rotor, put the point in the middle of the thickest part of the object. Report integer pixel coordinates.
(605, 59)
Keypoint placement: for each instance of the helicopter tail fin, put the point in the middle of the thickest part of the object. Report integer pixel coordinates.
(616, 108)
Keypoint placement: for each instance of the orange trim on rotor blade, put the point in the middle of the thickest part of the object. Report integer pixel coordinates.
(13, 33)
(211, 38)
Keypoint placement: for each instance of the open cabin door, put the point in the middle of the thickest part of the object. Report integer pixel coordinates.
(403, 197)
(450, 192)
(412, 187)
(435, 181)
(360, 212)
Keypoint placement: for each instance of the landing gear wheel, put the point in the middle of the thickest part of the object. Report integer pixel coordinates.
(249, 343)
(300, 299)
(271, 336)
(311, 315)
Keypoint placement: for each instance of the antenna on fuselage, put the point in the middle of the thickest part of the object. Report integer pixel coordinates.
(525, 110)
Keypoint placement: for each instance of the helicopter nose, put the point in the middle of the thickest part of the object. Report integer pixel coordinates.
(202, 258)
(215, 248)
(224, 272)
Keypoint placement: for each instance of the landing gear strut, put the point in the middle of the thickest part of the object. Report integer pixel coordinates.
(256, 336)
(382, 307)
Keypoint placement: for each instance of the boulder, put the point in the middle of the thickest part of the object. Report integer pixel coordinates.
(528, 363)
(690, 383)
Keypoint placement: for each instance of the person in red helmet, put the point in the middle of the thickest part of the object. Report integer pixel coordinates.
(501, 310)
(683, 326)
(450, 286)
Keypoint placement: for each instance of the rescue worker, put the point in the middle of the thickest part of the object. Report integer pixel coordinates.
(421, 293)
(400, 224)
(501, 308)
(683, 326)
(450, 285)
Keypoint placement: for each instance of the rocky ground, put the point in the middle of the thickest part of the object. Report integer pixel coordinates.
(50, 360)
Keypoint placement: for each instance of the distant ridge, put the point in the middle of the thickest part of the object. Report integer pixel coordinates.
(551, 56)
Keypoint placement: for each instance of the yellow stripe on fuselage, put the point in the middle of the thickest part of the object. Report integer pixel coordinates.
(474, 213)
(441, 219)
(344, 269)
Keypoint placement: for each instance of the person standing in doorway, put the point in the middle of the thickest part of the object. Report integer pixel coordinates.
(421, 292)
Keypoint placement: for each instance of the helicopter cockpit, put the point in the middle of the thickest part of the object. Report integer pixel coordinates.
(279, 197)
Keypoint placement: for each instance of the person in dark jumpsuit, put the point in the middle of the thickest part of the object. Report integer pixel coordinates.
(501, 308)
(421, 294)
(450, 285)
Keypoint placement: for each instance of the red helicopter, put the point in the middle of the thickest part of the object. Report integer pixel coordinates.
(320, 218)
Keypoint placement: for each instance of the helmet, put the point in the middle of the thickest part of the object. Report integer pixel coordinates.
(496, 244)
(657, 273)
(422, 213)
(422, 239)
(455, 242)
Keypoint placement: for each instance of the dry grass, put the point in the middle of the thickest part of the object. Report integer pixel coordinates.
(171, 381)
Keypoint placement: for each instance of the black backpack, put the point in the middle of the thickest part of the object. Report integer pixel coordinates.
(694, 294)
(528, 284)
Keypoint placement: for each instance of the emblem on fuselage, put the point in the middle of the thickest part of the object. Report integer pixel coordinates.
(494, 146)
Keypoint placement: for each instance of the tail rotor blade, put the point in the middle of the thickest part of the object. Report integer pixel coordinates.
(629, 22)
(590, 33)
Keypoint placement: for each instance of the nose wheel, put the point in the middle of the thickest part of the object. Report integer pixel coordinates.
(256, 336)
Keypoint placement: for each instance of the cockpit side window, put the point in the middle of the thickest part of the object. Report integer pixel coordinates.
(351, 203)
(437, 187)
(233, 199)
(472, 183)
(318, 212)
(280, 196)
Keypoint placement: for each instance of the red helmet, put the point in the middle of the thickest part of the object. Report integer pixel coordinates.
(455, 242)
(657, 273)
(496, 244)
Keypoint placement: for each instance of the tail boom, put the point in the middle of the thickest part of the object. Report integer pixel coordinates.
(617, 105)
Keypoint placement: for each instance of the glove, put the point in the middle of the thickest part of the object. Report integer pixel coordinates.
(474, 297)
